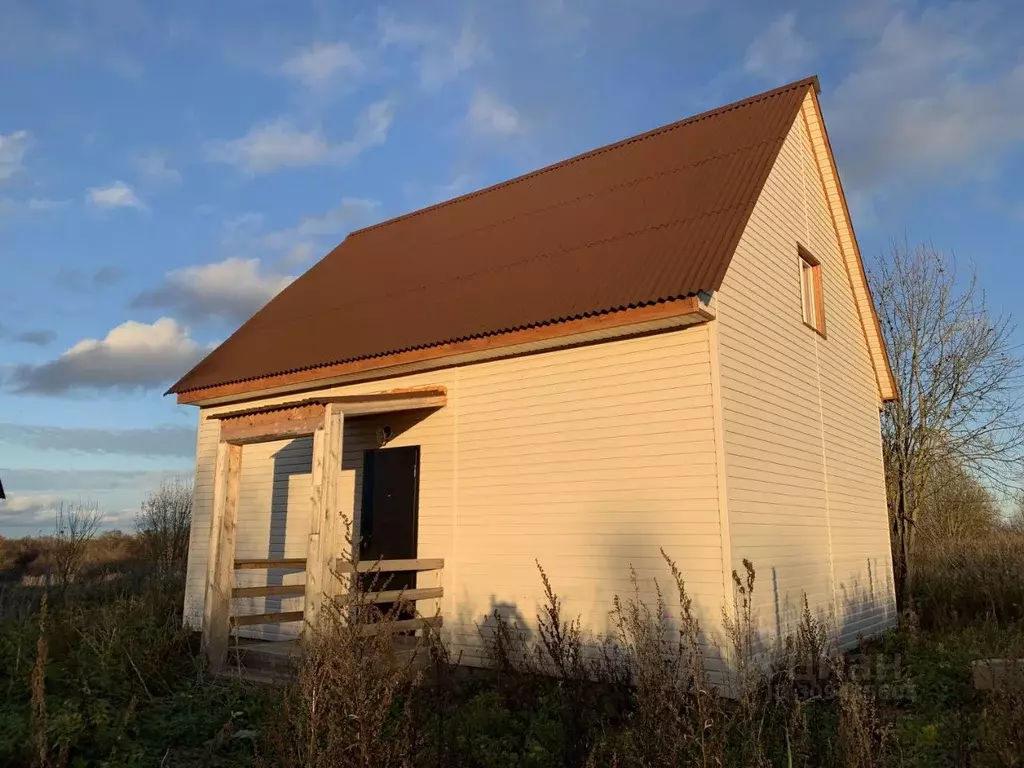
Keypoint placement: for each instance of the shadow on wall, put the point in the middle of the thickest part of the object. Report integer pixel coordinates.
(289, 502)
(361, 435)
(291, 461)
(862, 609)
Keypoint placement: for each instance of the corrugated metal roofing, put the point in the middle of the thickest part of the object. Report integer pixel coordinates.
(649, 219)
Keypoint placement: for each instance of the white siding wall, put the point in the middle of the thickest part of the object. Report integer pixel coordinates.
(801, 416)
(273, 510)
(587, 459)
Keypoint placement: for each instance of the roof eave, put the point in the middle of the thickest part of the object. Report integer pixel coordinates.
(666, 315)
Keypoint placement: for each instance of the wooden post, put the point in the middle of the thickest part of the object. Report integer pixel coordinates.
(220, 571)
(323, 513)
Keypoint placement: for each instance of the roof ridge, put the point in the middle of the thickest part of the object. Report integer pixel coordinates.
(811, 81)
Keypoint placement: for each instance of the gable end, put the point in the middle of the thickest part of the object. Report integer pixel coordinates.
(811, 114)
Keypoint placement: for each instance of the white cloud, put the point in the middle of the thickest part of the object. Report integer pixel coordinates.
(117, 194)
(44, 204)
(28, 508)
(243, 222)
(561, 18)
(780, 52)
(38, 337)
(489, 116)
(86, 35)
(155, 167)
(233, 290)
(75, 280)
(301, 243)
(131, 356)
(281, 144)
(273, 145)
(34, 494)
(151, 441)
(459, 185)
(319, 64)
(420, 194)
(932, 97)
(37, 512)
(9, 205)
(301, 253)
(65, 482)
(13, 147)
(442, 55)
(400, 32)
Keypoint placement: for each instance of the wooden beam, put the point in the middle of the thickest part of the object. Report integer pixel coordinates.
(385, 566)
(407, 398)
(273, 590)
(265, 618)
(388, 402)
(405, 595)
(219, 571)
(286, 563)
(323, 511)
(278, 424)
(404, 625)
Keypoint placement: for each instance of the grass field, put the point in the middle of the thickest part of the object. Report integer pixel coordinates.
(104, 674)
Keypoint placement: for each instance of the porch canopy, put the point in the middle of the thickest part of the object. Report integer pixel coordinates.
(323, 418)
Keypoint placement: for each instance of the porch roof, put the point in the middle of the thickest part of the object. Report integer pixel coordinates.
(303, 417)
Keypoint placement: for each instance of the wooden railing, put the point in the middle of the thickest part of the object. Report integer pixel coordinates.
(343, 567)
(272, 590)
(404, 595)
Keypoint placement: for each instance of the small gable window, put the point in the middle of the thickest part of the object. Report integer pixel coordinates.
(810, 291)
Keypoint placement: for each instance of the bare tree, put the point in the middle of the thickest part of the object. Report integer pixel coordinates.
(957, 374)
(956, 507)
(74, 527)
(163, 524)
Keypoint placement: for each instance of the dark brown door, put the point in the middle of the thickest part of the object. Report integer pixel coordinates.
(389, 522)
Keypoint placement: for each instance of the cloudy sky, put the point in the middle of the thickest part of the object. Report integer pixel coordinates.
(167, 168)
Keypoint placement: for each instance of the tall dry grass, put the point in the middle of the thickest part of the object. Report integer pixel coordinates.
(643, 697)
(962, 581)
(352, 704)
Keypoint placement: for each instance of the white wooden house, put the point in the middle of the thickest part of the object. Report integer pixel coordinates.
(667, 342)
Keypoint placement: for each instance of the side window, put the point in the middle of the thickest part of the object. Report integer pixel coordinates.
(810, 291)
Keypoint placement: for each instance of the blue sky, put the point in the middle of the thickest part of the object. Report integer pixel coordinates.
(166, 168)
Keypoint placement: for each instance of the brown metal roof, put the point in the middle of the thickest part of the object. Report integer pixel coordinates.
(646, 220)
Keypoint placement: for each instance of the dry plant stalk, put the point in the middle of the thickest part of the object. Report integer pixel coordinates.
(38, 721)
(678, 715)
(351, 703)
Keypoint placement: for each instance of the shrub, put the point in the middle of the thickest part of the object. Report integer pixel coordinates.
(104, 680)
(74, 527)
(164, 523)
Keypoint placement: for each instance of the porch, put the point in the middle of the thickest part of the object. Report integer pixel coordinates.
(324, 420)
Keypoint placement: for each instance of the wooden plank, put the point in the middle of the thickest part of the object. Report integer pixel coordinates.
(404, 625)
(279, 424)
(357, 406)
(265, 618)
(219, 572)
(323, 512)
(334, 435)
(269, 591)
(392, 565)
(410, 595)
(316, 404)
(288, 563)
